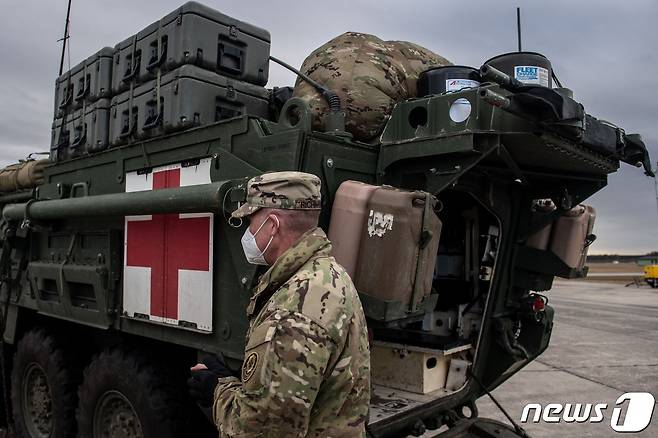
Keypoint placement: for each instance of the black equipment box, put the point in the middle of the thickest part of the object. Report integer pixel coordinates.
(193, 34)
(87, 82)
(188, 97)
(83, 131)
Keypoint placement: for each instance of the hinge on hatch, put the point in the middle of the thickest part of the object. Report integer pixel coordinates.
(508, 338)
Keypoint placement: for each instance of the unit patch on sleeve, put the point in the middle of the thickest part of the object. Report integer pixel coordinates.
(249, 366)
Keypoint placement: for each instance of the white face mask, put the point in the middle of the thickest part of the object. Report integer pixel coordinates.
(252, 252)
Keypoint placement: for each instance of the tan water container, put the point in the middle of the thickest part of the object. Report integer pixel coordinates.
(349, 215)
(398, 248)
(541, 238)
(571, 235)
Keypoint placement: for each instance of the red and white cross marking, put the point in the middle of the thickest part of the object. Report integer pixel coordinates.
(168, 257)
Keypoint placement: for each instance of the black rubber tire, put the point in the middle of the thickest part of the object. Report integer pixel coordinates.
(40, 351)
(142, 384)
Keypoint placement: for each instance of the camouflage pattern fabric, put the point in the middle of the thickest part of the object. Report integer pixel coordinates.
(287, 190)
(369, 75)
(306, 371)
(417, 60)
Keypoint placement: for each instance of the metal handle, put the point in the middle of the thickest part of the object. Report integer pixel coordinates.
(84, 91)
(77, 141)
(152, 121)
(232, 53)
(157, 60)
(128, 132)
(133, 72)
(68, 99)
(80, 185)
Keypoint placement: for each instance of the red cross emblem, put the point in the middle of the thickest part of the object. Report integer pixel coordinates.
(168, 245)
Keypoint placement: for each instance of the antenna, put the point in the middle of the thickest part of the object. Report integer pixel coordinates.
(656, 183)
(518, 26)
(65, 38)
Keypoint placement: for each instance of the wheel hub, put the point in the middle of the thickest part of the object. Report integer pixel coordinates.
(115, 417)
(37, 402)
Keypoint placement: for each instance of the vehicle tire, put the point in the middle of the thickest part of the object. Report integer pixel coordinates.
(43, 388)
(123, 395)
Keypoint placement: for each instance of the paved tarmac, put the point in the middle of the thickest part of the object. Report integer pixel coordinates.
(604, 344)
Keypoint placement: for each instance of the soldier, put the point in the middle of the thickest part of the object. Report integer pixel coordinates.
(306, 371)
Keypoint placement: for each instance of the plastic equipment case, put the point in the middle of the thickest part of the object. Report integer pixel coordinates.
(82, 132)
(193, 34)
(87, 82)
(188, 96)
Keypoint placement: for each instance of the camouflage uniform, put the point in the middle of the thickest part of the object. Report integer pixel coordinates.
(306, 371)
(369, 75)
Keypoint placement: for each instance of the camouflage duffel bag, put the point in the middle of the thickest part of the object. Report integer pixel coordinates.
(369, 75)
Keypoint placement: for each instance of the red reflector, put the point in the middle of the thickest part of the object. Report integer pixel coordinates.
(538, 305)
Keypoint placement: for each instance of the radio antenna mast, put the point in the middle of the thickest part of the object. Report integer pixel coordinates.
(656, 183)
(518, 26)
(65, 38)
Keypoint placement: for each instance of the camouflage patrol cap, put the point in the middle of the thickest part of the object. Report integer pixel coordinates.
(286, 190)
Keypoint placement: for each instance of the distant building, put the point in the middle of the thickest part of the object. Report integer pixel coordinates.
(651, 259)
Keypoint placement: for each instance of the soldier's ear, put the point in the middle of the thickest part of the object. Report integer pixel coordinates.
(275, 223)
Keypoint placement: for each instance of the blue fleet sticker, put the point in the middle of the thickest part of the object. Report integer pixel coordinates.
(532, 75)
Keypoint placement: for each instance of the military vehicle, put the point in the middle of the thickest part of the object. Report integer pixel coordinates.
(120, 265)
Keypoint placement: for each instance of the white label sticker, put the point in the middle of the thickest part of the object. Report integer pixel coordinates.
(532, 75)
(460, 84)
(379, 223)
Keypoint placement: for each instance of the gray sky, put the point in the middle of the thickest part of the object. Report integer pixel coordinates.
(604, 50)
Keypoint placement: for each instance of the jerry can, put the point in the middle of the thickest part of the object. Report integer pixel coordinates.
(572, 235)
(397, 252)
(348, 219)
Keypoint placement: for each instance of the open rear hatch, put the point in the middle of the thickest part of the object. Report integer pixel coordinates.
(451, 265)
